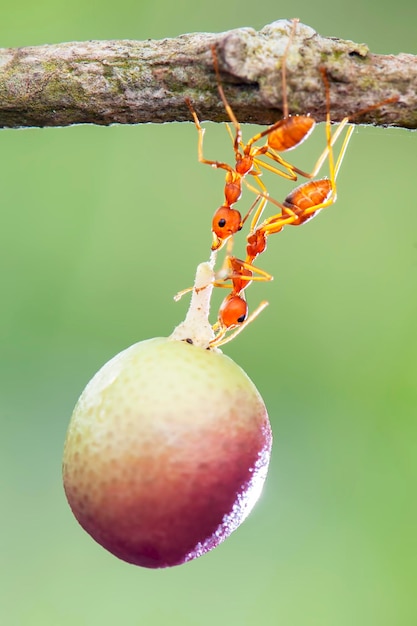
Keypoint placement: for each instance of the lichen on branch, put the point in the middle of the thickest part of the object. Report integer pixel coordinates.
(128, 82)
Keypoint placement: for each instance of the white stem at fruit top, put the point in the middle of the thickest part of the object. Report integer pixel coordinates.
(196, 327)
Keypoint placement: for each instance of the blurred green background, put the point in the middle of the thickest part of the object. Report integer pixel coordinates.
(100, 227)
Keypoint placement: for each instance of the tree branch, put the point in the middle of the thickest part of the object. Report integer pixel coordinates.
(126, 82)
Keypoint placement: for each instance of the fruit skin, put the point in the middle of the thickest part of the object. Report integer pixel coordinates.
(166, 452)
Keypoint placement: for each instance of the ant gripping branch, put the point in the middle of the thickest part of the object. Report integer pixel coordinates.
(300, 206)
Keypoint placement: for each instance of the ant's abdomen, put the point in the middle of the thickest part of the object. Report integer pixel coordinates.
(293, 131)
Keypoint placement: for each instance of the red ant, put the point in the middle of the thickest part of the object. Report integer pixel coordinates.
(284, 135)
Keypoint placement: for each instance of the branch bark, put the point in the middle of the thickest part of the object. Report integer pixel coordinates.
(127, 82)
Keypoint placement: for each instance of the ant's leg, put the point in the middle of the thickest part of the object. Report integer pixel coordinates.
(238, 131)
(343, 150)
(182, 293)
(201, 158)
(262, 197)
(286, 210)
(334, 170)
(290, 174)
(260, 275)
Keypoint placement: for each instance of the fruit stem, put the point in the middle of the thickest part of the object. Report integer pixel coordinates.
(196, 327)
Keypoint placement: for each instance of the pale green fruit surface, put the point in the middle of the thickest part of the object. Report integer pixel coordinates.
(166, 452)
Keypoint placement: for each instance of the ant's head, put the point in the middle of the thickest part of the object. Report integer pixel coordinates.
(226, 222)
(233, 311)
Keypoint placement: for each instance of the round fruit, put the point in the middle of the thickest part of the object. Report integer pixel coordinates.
(166, 452)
